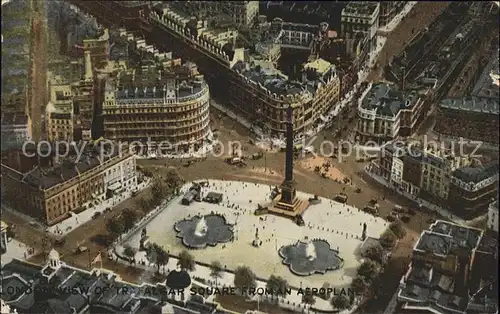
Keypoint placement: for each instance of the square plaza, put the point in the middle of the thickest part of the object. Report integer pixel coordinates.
(339, 224)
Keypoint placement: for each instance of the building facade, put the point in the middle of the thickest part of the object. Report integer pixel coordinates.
(388, 10)
(260, 92)
(385, 113)
(51, 193)
(166, 102)
(472, 188)
(14, 128)
(493, 216)
(360, 17)
(3, 237)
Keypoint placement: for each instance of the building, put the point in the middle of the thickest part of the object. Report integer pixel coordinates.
(360, 17)
(385, 113)
(243, 13)
(493, 216)
(439, 176)
(475, 117)
(3, 236)
(437, 166)
(447, 273)
(167, 101)
(59, 288)
(473, 187)
(389, 10)
(15, 129)
(50, 193)
(260, 92)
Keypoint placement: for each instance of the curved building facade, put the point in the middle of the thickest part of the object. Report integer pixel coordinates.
(167, 103)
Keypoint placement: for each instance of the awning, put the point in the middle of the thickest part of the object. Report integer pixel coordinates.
(115, 186)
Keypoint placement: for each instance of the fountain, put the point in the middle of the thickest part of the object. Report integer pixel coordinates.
(200, 231)
(311, 257)
(310, 251)
(201, 228)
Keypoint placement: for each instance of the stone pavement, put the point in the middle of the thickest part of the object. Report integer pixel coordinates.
(443, 212)
(16, 250)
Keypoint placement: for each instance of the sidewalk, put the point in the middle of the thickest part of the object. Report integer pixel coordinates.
(424, 203)
(76, 220)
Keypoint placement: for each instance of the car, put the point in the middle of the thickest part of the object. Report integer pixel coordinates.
(107, 210)
(59, 241)
(96, 215)
(405, 219)
(390, 218)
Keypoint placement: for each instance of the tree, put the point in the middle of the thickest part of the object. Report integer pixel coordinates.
(173, 178)
(388, 239)
(359, 285)
(145, 204)
(341, 302)
(186, 261)
(278, 285)
(369, 270)
(244, 278)
(308, 298)
(115, 227)
(216, 270)
(398, 229)
(158, 189)
(162, 257)
(129, 252)
(375, 253)
(129, 218)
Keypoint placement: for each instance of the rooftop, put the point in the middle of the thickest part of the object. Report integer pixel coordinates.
(444, 237)
(387, 99)
(366, 8)
(14, 119)
(427, 288)
(472, 104)
(155, 82)
(46, 178)
(104, 292)
(478, 173)
(485, 86)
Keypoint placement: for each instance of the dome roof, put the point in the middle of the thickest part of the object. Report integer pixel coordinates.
(178, 279)
(53, 254)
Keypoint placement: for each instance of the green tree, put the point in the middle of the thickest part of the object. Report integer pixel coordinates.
(341, 302)
(244, 277)
(129, 252)
(398, 229)
(278, 285)
(173, 178)
(359, 285)
(369, 270)
(161, 258)
(216, 270)
(159, 189)
(129, 218)
(186, 261)
(308, 298)
(388, 240)
(375, 253)
(115, 226)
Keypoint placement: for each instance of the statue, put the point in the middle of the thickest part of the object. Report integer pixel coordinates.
(363, 234)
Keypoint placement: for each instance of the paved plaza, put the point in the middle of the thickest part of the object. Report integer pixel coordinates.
(336, 223)
(16, 250)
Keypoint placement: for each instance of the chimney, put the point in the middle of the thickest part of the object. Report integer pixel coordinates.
(88, 66)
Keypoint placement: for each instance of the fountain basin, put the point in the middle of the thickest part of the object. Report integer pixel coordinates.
(202, 231)
(306, 259)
